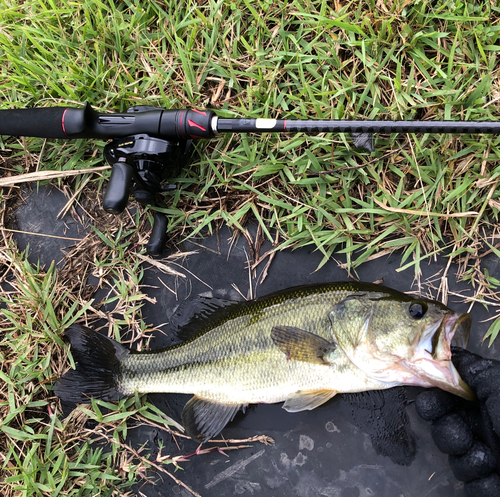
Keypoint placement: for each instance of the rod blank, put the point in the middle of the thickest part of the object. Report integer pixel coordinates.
(343, 126)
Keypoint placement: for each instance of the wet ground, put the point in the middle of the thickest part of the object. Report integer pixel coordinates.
(364, 445)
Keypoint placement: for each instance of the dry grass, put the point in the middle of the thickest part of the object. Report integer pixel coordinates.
(42, 453)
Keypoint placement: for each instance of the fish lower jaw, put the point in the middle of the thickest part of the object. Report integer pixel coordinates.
(382, 370)
(440, 374)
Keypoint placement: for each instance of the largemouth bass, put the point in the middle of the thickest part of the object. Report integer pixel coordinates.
(301, 346)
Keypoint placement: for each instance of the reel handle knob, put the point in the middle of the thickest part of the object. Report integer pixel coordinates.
(118, 189)
(158, 236)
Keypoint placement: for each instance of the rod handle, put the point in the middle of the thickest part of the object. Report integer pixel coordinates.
(44, 122)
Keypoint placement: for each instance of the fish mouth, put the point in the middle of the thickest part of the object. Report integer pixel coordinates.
(457, 328)
(432, 363)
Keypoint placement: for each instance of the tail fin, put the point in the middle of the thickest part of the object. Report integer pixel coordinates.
(97, 359)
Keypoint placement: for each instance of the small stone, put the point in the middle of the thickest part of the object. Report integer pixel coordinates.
(299, 460)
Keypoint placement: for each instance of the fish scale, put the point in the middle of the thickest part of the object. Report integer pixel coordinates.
(301, 346)
(255, 369)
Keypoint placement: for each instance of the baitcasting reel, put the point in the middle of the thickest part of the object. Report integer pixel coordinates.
(140, 165)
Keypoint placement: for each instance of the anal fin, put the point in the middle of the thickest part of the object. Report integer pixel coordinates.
(307, 400)
(203, 419)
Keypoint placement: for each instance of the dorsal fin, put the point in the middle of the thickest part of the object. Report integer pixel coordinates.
(199, 314)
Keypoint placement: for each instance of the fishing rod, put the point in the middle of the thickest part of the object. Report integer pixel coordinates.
(149, 143)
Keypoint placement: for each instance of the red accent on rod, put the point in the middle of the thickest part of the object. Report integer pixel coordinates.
(62, 122)
(284, 124)
(192, 123)
(180, 124)
(203, 113)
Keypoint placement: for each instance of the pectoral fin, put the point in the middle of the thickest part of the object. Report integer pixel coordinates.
(307, 400)
(203, 419)
(301, 345)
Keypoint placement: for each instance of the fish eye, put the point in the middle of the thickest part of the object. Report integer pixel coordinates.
(417, 309)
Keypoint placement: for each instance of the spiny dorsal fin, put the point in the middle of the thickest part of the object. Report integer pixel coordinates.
(301, 345)
(307, 400)
(199, 314)
(203, 419)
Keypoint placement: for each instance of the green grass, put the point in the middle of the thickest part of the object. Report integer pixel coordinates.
(294, 59)
(43, 454)
(303, 59)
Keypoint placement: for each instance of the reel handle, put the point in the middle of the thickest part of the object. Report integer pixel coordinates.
(158, 236)
(117, 192)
